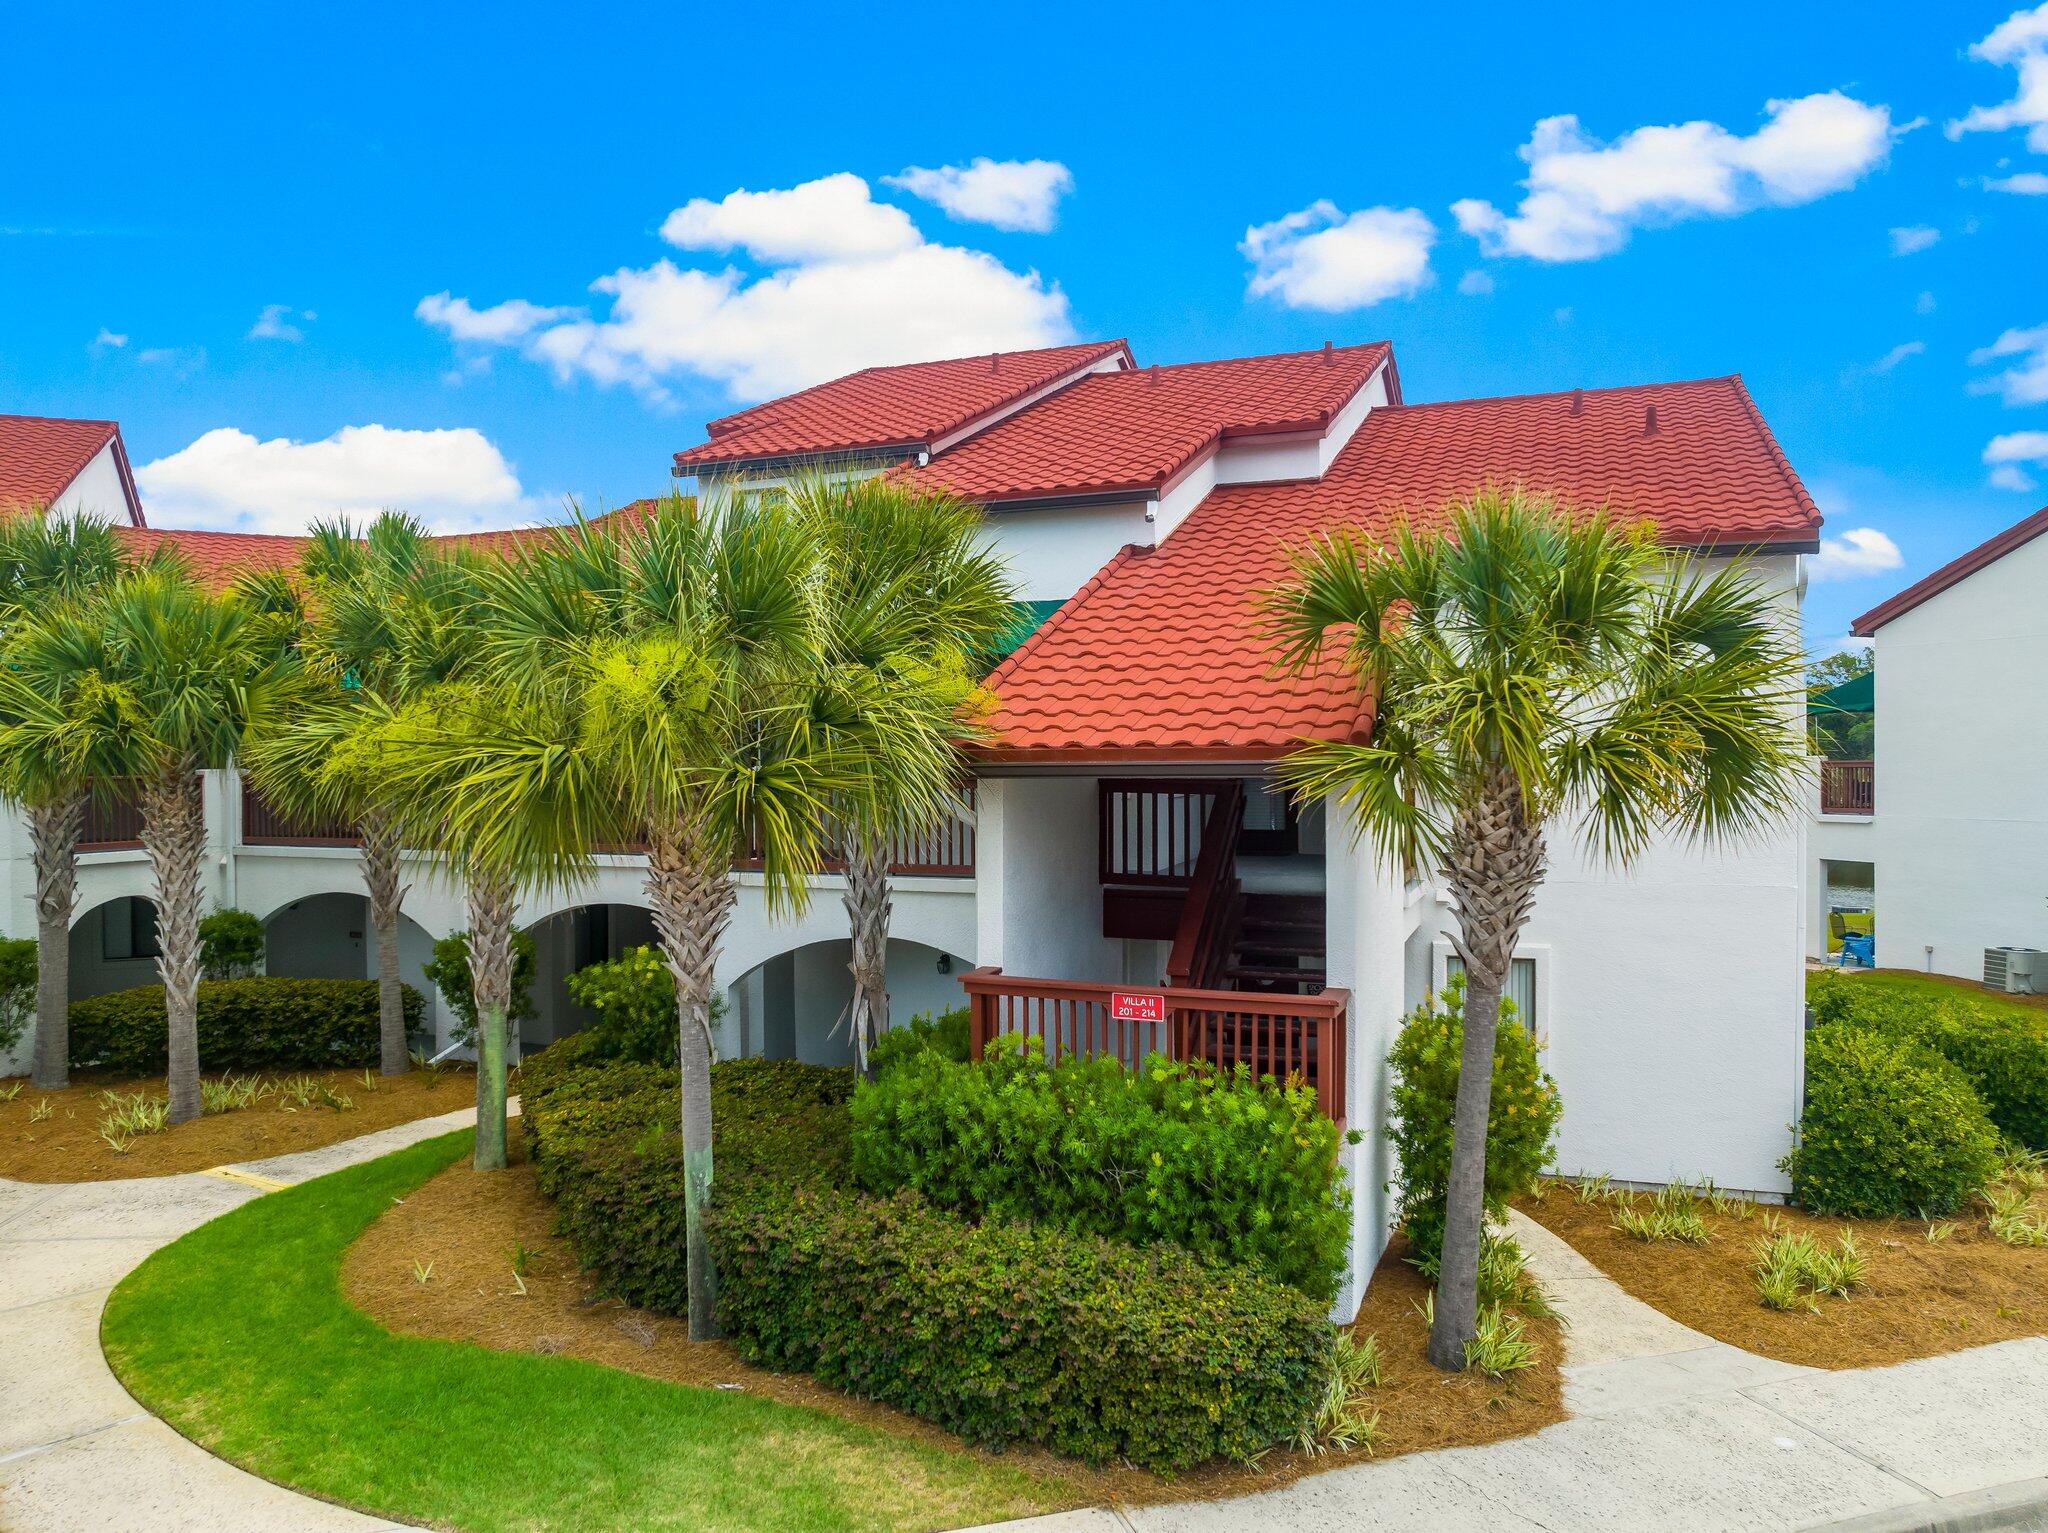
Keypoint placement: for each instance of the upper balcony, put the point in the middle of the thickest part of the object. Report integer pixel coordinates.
(1848, 787)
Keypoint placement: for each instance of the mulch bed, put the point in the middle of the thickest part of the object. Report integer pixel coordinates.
(473, 1257)
(1923, 1297)
(54, 1136)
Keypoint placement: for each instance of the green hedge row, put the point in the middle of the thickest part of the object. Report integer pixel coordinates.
(1000, 1332)
(1007, 1333)
(1217, 1162)
(1890, 1128)
(2001, 1049)
(244, 1024)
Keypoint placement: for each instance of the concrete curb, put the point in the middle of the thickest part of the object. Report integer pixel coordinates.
(2021, 1504)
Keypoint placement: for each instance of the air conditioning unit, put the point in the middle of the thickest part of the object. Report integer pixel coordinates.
(2016, 970)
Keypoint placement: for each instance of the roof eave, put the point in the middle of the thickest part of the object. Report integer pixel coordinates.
(1953, 573)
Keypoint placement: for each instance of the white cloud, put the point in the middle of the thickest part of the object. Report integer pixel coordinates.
(830, 219)
(107, 340)
(1322, 258)
(1020, 195)
(495, 326)
(850, 284)
(1584, 198)
(1887, 362)
(452, 479)
(2007, 455)
(2020, 40)
(2026, 183)
(180, 361)
(1924, 304)
(1854, 554)
(1476, 283)
(1913, 239)
(2025, 381)
(278, 322)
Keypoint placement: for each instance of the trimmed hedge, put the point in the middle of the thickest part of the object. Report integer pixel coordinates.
(1222, 1164)
(944, 1034)
(1004, 1333)
(1890, 1128)
(2002, 1049)
(244, 1024)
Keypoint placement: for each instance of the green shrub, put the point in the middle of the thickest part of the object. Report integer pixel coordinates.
(1890, 1128)
(230, 944)
(944, 1034)
(2001, 1048)
(448, 972)
(244, 1024)
(634, 996)
(1522, 1116)
(1228, 1167)
(17, 988)
(1005, 1333)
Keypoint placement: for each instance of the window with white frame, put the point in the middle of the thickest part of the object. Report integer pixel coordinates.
(1521, 986)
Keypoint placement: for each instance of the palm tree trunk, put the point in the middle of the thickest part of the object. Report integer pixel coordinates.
(867, 913)
(381, 873)
(491, 899)
(1496, 864)
(54, 830)
(174, 831)
(689, 883)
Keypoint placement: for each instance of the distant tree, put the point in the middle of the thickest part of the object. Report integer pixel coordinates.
(1841, 736)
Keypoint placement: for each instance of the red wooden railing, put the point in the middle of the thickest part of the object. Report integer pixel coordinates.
(1276, 1035)
(945, 850)
(1208, 918)
(1151, 828)
(1848, 787)
(265, 825)
(112, 824)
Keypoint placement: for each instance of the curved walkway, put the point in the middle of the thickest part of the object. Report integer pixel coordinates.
(76, 1450)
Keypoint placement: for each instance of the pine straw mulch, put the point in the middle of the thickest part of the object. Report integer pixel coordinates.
(1923, 1297)
(64, 1144)
(495, 1274)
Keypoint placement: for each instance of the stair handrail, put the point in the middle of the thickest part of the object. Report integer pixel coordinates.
(1197, 957)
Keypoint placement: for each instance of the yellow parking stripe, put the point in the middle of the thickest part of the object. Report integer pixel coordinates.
(246, 1178)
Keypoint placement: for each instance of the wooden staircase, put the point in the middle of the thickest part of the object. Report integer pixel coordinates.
(1277, 944)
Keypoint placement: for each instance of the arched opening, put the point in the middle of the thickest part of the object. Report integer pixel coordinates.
(329, 936)
(790, 1007)
(114, 947)
(565, 942)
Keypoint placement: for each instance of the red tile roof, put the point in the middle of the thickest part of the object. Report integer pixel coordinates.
(1155, 658)
(1140, 430)
(216, 558)
(909, 406)
(1957, 570)
(40, 455)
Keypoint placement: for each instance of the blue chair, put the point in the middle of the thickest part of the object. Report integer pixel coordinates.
(1861, 946)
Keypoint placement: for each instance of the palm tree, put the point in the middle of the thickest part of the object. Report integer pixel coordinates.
(390, 616)
(683, 664)
(1532, 666)
(911, 598)
(149, 681)
(44, 560)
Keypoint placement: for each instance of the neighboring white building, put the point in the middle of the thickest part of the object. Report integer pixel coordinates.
(1954, 829)
(66, 466)
(1141, 510)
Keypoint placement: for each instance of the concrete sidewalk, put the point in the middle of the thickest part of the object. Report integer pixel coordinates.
(1673, 1430)
(76, 1451)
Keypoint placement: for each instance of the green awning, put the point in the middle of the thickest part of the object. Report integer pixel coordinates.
(1029, 617)
(1856, 695)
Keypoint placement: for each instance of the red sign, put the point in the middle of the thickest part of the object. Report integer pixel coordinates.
(1136, 1006)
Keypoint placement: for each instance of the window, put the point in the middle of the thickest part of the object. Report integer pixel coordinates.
(1521, 988)
(128, 930)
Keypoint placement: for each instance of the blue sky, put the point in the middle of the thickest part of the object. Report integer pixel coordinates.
(316, 259)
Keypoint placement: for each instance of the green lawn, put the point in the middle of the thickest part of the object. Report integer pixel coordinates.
(238, 1335)
(1941, 987)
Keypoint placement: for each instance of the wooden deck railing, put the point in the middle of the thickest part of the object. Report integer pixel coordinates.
(112, 824)
(945, 850)
(265, 825)
(1848, 787)
(1150, 828)
(1208, 918)
(1277, 1035)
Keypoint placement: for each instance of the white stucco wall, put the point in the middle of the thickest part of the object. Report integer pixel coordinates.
(1961, 823)
(1040, 910)
(97, 491)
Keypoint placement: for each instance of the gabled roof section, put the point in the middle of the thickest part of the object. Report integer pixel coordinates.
(41, 455)
(1955, 572)
(909, 407)
(1136, 431)
(1156, 658)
